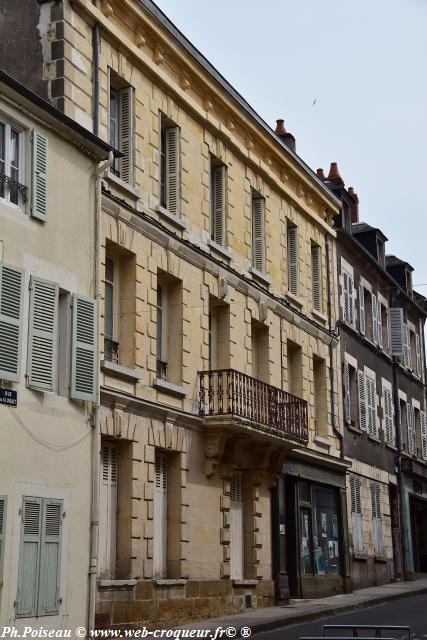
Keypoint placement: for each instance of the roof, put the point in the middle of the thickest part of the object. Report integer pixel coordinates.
(364, 227)
(158, 14)
(392, 261)
(90, 140)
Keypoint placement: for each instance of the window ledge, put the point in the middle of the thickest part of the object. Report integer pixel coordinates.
(322, 441)
(116, 584)
(118, 371)
(295, 299)
(169, 387)
(170, 582)
(226, 253)
(262, 277)
(360, 556)
(391, 446)
(351, 427)
(319, 316)
(171, 217)
(374, 439)
(124, 186)
(380, 559)
(244, 583)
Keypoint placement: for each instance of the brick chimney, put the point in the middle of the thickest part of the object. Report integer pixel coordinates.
(287, 138)
(334, 176)
(320, 174)
(354, 207)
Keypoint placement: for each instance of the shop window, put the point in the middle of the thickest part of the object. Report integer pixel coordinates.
(260, 351)
(320, 396)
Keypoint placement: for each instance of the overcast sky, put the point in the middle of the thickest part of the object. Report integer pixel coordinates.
(364, 62)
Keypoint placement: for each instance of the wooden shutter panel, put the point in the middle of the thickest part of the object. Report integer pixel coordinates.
(126, 133)
(237, 526)
(43, 335)
(362, 313)
(316, 277)
(418, 354)
(362, 400)
(50, 558)
(380, 324)
(350, 299)
(388, 417)
(3, 502)
(407, 351)
(377, 532)
(347, 397)
(218, 204)
(39, 182)
(108, 510)
(423, 436)
(172, 169)
(160, 516)
(11, 306)
(372, 412)
(396, 332)
(356, 514)
(293, 260)
(258, 234)
(374, 303)
(84, 349)
(410, 419)
(29, 557)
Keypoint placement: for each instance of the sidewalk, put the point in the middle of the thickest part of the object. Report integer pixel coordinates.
(299, 611)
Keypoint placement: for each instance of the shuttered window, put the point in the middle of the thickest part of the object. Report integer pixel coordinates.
(356, 514)
(347, 280)
(11, 164)
(108, 509)
(43, 335)
(423, 435)
(396, 331)
(258, 233)
(407, 357)
(38, 591)
(316, 277)
(372, 408)
(374, 303)
(172, 169)
(160, 516)
(362, 400)
(3, 504)
(362, 313)
(39, 204)
(418, 355)
(389, 431)
(84, 349)
(347, 396)
(377, 528)
(237, 533)
(218, 180)
(293, 271)
(11, 307)
(410, 419)
(121, 131)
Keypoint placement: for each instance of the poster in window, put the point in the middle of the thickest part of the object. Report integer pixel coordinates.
(320, 562)
(334, 527)
(324, 525)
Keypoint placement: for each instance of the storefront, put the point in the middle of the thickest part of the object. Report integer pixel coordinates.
(415, 475)
(312, 531)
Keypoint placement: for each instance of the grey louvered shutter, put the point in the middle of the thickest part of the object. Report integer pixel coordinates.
(356, 514)
(380, 324)
(418, 355)
(347, 398)
(388, 417)
(39, 193)
(372, 410)
(11, 307)
(258, 234)
(410, 419)
(362, 314)
(423, 435)
(50, 558)
(293, 260)
(172, 169)
(84, 347)
(29, 557)
(3, 503)
(374, 303)
(396, 332)
(218, 205)
(126, 134)
(43, 335)
(350, 299)
(408, 356)
(362, 399)
(316, 277)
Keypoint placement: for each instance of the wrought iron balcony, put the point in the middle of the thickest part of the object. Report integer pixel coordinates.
(16, 188)
(227, 392)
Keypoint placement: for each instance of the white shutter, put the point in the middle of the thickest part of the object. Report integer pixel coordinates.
(408, 347)
(380, 324)
(29, 557)
(11, 306)
(218, 205)
(237, 533)
(39, 170)
(42, 335)
(258, 234)
(423, 436)
(50, 558)
(126, 134)
(418, 354)
(356, 514)
(377, 530)
(372, 412)
(362, 399)
(396, 332)
(316, 277)
(160, 516)
(172, 169)
(362, 313)
(293, 260)
(347, 396)
(84, 349)
(410, 419)
(108, 510)
(374, 302)
(388, 417)
(3, 503)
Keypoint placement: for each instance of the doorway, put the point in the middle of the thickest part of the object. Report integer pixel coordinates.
(419, 534)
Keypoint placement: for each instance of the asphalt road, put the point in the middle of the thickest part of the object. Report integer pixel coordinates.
(408, 611)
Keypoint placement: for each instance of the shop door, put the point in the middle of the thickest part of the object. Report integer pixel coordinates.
(419, 519)
(395, 532)
(292, 525)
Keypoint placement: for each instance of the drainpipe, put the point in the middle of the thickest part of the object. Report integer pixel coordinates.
(331, 351)
(96, 435)
(95, 58)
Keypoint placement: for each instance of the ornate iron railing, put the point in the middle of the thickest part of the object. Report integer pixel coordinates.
(161, 369)
(14, 186)
(230, 392)
(111, 350)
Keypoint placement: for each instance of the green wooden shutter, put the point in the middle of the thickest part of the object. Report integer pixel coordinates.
(50, 558)
(3, 503)
(172, 169)
(11, 305)
(258, 234)
(84, 347)
(218, 205)
(126, 133)
(43, 335)
(39, 182)
(29, 557)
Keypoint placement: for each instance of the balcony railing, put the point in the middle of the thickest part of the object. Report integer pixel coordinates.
(229, 392)
(111, 350)
(162, 369)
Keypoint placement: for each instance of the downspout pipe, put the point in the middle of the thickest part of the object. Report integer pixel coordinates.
(96, 434)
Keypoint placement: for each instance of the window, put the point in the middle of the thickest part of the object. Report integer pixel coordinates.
(371, 407)
(217, 202)
(362, 400)
(407, 356)
(120, 123)
(295, 371)
(169, 166)
(320, 396)
(350, 393)
(169, 329)
(292, 255)
(258, 232)
(111, 346)
(3, 504)
(161, 365)
(362, 313)
(347, 287)
(423, 437)
(316, 277)
(410, 423)
(417, 355)
(260, 351)
(377, 529)
(160, 516)
(219, 335)
(356, 514)
(84, 348)
(383, 328)
(389, 431)
(38, 592)
(108, 510)
(11, 164)
(237, 531)
(11, 308)
(376, 317)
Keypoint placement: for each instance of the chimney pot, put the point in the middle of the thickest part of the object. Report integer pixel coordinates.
(287, 138)
(334, 175)
(321, 174)
(280, 127)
